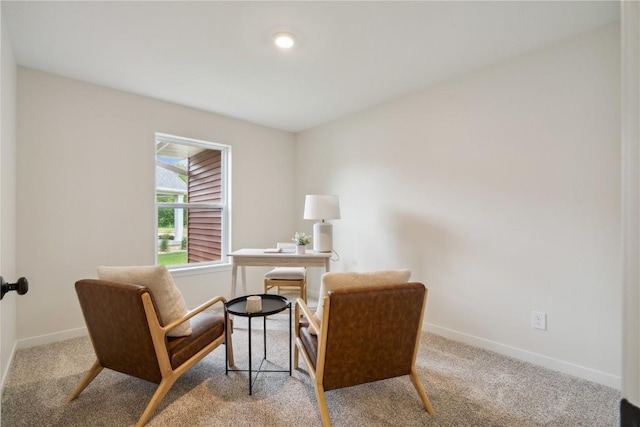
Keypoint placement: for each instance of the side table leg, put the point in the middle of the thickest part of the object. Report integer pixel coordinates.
(226, 341)
(290, 338)
(264, 336)
(250, 382)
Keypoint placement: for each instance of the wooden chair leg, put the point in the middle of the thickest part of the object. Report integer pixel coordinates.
(161, 392)
(295, 356)
(322, 404)
(88, 377)
(421, 391)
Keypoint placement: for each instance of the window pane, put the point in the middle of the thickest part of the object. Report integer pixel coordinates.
(172, 238)
(205, 235)
(193, 172)
(197, 240)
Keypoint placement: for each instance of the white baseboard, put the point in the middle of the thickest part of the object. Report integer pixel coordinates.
(40, 340)
(51, 338)
(5, 374)
(583, 372)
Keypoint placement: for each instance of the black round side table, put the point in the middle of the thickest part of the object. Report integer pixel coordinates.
(271, 304)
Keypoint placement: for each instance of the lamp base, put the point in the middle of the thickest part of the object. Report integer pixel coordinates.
(322, 237)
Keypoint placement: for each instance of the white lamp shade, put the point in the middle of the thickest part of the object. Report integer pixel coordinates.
(321, 207)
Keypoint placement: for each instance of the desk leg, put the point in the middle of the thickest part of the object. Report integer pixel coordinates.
(244, 281)
(234, 280)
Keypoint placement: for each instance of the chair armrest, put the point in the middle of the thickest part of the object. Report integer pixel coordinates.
(300, 304)
(193, 312)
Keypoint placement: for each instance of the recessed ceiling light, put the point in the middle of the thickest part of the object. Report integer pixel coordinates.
(284, 40)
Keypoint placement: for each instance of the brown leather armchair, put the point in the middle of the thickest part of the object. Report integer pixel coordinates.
(367, 333)
(128, 337)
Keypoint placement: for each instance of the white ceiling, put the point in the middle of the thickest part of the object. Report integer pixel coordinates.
(219, 57)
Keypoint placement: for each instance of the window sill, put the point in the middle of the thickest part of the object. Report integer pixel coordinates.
(186, 270)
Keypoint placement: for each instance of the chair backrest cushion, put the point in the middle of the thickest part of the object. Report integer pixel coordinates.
(337, 280)
(372, 333)
(169, 301)
(118, 327)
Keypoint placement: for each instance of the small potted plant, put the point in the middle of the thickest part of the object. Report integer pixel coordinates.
(301, 240)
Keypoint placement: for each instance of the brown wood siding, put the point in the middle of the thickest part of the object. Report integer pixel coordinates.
(204, 230)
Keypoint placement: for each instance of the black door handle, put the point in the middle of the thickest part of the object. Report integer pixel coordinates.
(21, 286)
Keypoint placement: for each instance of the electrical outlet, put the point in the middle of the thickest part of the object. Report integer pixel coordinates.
(539, 320)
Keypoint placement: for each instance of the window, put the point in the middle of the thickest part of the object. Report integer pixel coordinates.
(192, 194)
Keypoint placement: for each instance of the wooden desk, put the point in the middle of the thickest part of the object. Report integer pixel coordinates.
(258, 258)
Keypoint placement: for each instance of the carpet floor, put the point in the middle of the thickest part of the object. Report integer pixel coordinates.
(467, 387)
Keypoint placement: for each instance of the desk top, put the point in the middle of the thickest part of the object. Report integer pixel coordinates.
(259, 258)
(261, 253)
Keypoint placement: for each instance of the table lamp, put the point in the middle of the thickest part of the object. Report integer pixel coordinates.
(321, 207)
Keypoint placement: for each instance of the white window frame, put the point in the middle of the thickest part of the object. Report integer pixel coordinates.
(225, 206)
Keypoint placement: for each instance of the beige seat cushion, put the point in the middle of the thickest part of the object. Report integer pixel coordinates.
(335, 280)
(167, 296)
(286, 273)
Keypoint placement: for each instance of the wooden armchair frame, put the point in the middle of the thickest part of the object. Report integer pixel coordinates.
(158, 334)
(316, 368)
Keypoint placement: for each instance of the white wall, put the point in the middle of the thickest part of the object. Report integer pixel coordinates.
(630, 13)
(500, 190)
(8, 73)
(86, 171)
